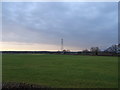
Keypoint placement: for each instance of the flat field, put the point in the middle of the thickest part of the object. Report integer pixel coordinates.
(62, 71)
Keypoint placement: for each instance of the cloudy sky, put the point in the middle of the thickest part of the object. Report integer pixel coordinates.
(41, 25)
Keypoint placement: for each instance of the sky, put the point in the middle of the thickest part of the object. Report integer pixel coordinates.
(41, 25)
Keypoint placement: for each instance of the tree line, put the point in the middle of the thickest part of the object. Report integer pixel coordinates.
(112, 50)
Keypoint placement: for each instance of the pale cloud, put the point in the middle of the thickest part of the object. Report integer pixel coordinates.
(16, 46)
(81, 24)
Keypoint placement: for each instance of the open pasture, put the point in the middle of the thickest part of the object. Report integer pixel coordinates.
(62, 71)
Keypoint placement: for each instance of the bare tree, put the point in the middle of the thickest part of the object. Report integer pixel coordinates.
(85, 50)
(113, 49)
(118, 48)
(95, 50)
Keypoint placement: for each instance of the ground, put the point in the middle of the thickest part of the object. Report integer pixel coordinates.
(62, 71)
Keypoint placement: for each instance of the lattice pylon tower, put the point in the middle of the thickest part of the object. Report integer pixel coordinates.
(62, 44)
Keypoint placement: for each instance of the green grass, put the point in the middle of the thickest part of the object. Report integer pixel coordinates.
(63, 71)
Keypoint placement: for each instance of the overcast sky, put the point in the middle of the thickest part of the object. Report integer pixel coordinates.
(40, 26)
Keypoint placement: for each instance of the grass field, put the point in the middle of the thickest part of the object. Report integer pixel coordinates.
(63, 71)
